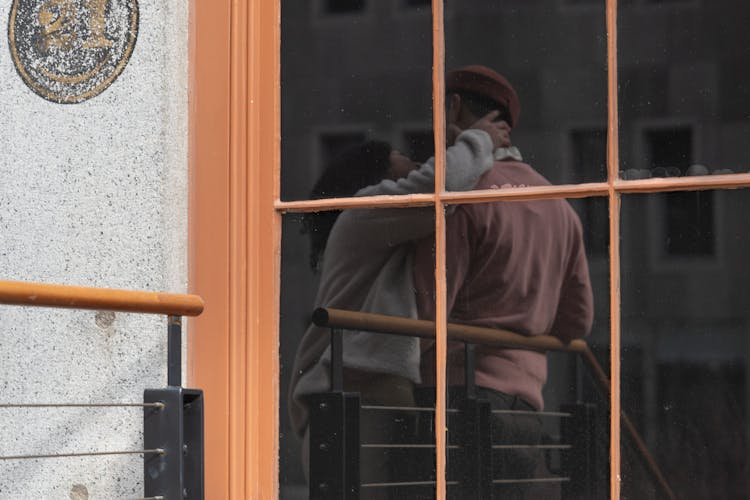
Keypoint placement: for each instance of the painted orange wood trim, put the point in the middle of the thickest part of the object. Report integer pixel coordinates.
(441, 321)
(79, 297)
(613, 169)
(452, 197)
(614, 340)
(527, 193)
(238, 250)
(408, 200)
(568, 191)
(702, 182)
(209, 228)
(264, 242)
(234, 239)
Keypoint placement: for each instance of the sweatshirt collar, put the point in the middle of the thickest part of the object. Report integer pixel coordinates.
(511, 153)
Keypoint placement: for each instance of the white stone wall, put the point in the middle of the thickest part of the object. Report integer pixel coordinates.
(91, 194)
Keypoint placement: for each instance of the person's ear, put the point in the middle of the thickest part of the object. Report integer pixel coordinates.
(453, 110)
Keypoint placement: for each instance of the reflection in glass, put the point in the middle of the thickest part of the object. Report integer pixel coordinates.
(524, 267)
(555, 60)
(343, 6)
(684, 93)
(685, 326)
(364, 265)
(364, 258)
(351, 70)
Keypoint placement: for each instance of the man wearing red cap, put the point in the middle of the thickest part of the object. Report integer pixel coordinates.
(515, 265)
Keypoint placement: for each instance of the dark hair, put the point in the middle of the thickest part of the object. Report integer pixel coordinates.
(355, 168)
(480, 105)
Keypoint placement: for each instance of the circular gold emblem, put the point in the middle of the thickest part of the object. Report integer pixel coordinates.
(68, 51)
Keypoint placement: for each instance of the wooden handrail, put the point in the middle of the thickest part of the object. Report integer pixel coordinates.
(394, 325)
(78, 297)
(379, 323)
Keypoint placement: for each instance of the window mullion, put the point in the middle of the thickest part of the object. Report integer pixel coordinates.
(441, 344)
(614, 249)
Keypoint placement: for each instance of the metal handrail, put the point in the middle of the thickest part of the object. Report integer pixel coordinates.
(173, 417)
(79, 297)
(379, 323)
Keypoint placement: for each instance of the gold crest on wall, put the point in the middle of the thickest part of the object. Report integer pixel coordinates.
(68, 51)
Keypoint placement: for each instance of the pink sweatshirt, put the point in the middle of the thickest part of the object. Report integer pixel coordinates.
(517, 265)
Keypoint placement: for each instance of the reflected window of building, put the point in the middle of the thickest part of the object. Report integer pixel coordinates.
(333, 143)
(595, 219)
(688, 216)
(589, 153)
(600, 3)
(669, 151)
(344, 6)
(689, 223)
(687, 386)
(589, 157)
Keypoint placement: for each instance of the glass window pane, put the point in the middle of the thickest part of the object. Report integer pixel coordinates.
(525, 267)
(684, 93)
(366, 266)
(554, 94)
(351, 71)
(685, 327)
(343, 6)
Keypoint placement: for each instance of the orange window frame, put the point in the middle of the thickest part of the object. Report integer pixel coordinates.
(234, 236)
(233, 240)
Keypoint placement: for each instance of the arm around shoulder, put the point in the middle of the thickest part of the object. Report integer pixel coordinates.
(466, 161)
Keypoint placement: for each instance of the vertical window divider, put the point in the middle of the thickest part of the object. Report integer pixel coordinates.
(441, 335)
(264, 266)
(614, 248)
(238, 248)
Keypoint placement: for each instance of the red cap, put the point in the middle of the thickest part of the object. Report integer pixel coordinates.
(487, 83)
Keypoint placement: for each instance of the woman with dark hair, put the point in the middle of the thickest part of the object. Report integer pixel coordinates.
(367, 262)
(356, 167)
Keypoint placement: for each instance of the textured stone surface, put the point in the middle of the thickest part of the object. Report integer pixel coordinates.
(90, 194)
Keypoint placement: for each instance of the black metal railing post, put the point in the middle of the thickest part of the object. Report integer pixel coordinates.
(470, 362)
(334, 434)
(580, 463)
(474, 435)
(334, 446)
(174, 351)
(176, 427)
(337, 360)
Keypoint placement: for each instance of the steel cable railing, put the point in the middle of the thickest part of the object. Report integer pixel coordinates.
(172, 416)
(339, 320)
(8, 406)
(402, 446)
